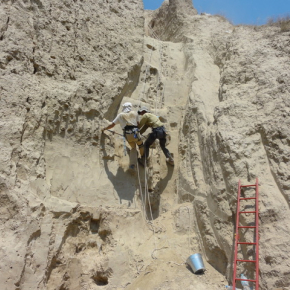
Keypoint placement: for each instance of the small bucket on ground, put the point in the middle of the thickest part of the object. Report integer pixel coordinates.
(196, 263)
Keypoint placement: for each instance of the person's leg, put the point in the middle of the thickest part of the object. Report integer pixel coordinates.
(141, 147)
(131, 140)
(162, 142)
(140, 144)
(133, 152)
(161, 135)
(150, 140)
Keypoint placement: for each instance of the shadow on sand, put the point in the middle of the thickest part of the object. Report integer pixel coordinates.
(122, 181)
(155, 191)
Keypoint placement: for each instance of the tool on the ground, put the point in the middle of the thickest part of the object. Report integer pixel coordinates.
(255, 242)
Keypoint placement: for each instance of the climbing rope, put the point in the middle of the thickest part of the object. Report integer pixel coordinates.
(145, 198)
(141, 193)
(146, 190)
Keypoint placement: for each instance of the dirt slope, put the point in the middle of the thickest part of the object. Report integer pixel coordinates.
(72, 215)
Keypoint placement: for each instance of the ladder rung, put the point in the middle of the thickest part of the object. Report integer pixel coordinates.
(247, 198)
(247, 212)
(253, 261)
(247, 227)
(245, 243)
(248, 185)
(246, 280)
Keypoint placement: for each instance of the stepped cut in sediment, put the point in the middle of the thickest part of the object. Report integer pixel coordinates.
(72, 215)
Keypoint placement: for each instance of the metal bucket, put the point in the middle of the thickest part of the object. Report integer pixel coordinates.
(196, 263)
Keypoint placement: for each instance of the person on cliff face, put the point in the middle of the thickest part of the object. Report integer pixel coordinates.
(129, 121)
(158, 132)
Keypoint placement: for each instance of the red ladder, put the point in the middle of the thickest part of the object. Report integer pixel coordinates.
(256, 234)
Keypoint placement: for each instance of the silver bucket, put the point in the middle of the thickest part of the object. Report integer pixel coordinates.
(196, 263)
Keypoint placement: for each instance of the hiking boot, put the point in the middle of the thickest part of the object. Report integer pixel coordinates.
(170, 160)
(132, 169)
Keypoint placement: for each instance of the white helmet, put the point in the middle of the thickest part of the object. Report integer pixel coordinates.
(143, 109)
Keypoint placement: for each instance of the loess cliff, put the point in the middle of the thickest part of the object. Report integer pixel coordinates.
(72, 216)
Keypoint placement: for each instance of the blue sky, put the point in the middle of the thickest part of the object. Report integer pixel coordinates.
(238, 11)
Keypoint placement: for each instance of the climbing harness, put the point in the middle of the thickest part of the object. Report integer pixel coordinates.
(131, 130)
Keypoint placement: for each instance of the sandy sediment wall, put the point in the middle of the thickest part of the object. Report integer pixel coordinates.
(72, 215)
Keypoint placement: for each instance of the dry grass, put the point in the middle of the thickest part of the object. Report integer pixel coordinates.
(282, 22)
(223, 17)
